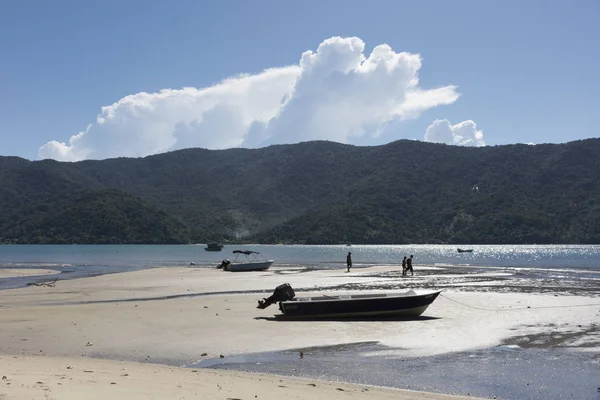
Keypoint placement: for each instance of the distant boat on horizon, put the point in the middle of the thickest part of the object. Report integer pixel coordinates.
(464, 250)
(213, 247)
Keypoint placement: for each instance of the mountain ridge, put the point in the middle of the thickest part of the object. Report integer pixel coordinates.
(320, 192)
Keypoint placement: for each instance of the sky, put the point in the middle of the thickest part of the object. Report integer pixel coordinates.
(130, 78)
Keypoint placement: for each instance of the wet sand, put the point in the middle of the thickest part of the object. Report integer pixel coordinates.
(180, 316)
(23, 272)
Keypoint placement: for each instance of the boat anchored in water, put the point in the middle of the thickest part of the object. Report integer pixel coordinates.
(409, 304)
(213, 247)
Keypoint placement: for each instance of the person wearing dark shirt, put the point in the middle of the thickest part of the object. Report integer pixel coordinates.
(404, 266)
(409, 265)
(349, 261)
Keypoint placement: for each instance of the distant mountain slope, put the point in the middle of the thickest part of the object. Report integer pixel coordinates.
(437, 193)
(95, 217)
(324, 192)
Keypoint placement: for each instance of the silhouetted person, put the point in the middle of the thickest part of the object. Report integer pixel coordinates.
(404, 266)
(349, 261)
(409, 265)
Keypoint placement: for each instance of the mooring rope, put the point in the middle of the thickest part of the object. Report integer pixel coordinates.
(518, 308)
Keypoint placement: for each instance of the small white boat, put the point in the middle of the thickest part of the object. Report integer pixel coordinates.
(250, 261)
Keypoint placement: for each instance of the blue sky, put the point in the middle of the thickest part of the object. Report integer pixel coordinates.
(521, 71)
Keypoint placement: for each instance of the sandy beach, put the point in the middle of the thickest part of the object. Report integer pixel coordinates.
(37, 377)
(135, 331)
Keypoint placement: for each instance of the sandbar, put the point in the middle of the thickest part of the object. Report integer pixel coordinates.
(149, 323)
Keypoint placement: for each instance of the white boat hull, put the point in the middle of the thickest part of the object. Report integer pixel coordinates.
(251, 266)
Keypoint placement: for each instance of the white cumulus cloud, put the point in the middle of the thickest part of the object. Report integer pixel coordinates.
(462, 134)
(334, 93)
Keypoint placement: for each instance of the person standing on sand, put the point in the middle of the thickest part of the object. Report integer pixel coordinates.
(349, 261)
(404, 266)
(409, 265)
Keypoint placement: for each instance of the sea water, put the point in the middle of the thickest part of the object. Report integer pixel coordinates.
(322, 256)
(76, 261)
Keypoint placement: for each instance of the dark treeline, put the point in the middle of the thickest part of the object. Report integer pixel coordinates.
(313, 192)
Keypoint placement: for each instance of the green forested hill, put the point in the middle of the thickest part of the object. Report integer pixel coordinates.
(313, 192)
(102, 217)
(427, 193)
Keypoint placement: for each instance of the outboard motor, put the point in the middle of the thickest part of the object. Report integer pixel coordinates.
(282, 293)
(224, 263)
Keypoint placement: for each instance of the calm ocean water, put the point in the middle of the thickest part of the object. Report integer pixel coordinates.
(75, 261)
(138, 257)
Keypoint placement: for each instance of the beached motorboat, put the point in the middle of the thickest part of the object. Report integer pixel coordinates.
(464, 250)
(246, 260)
(213, 247)
(409, 304)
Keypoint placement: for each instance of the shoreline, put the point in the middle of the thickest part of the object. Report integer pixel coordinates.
(175, 315)
(561, 281)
